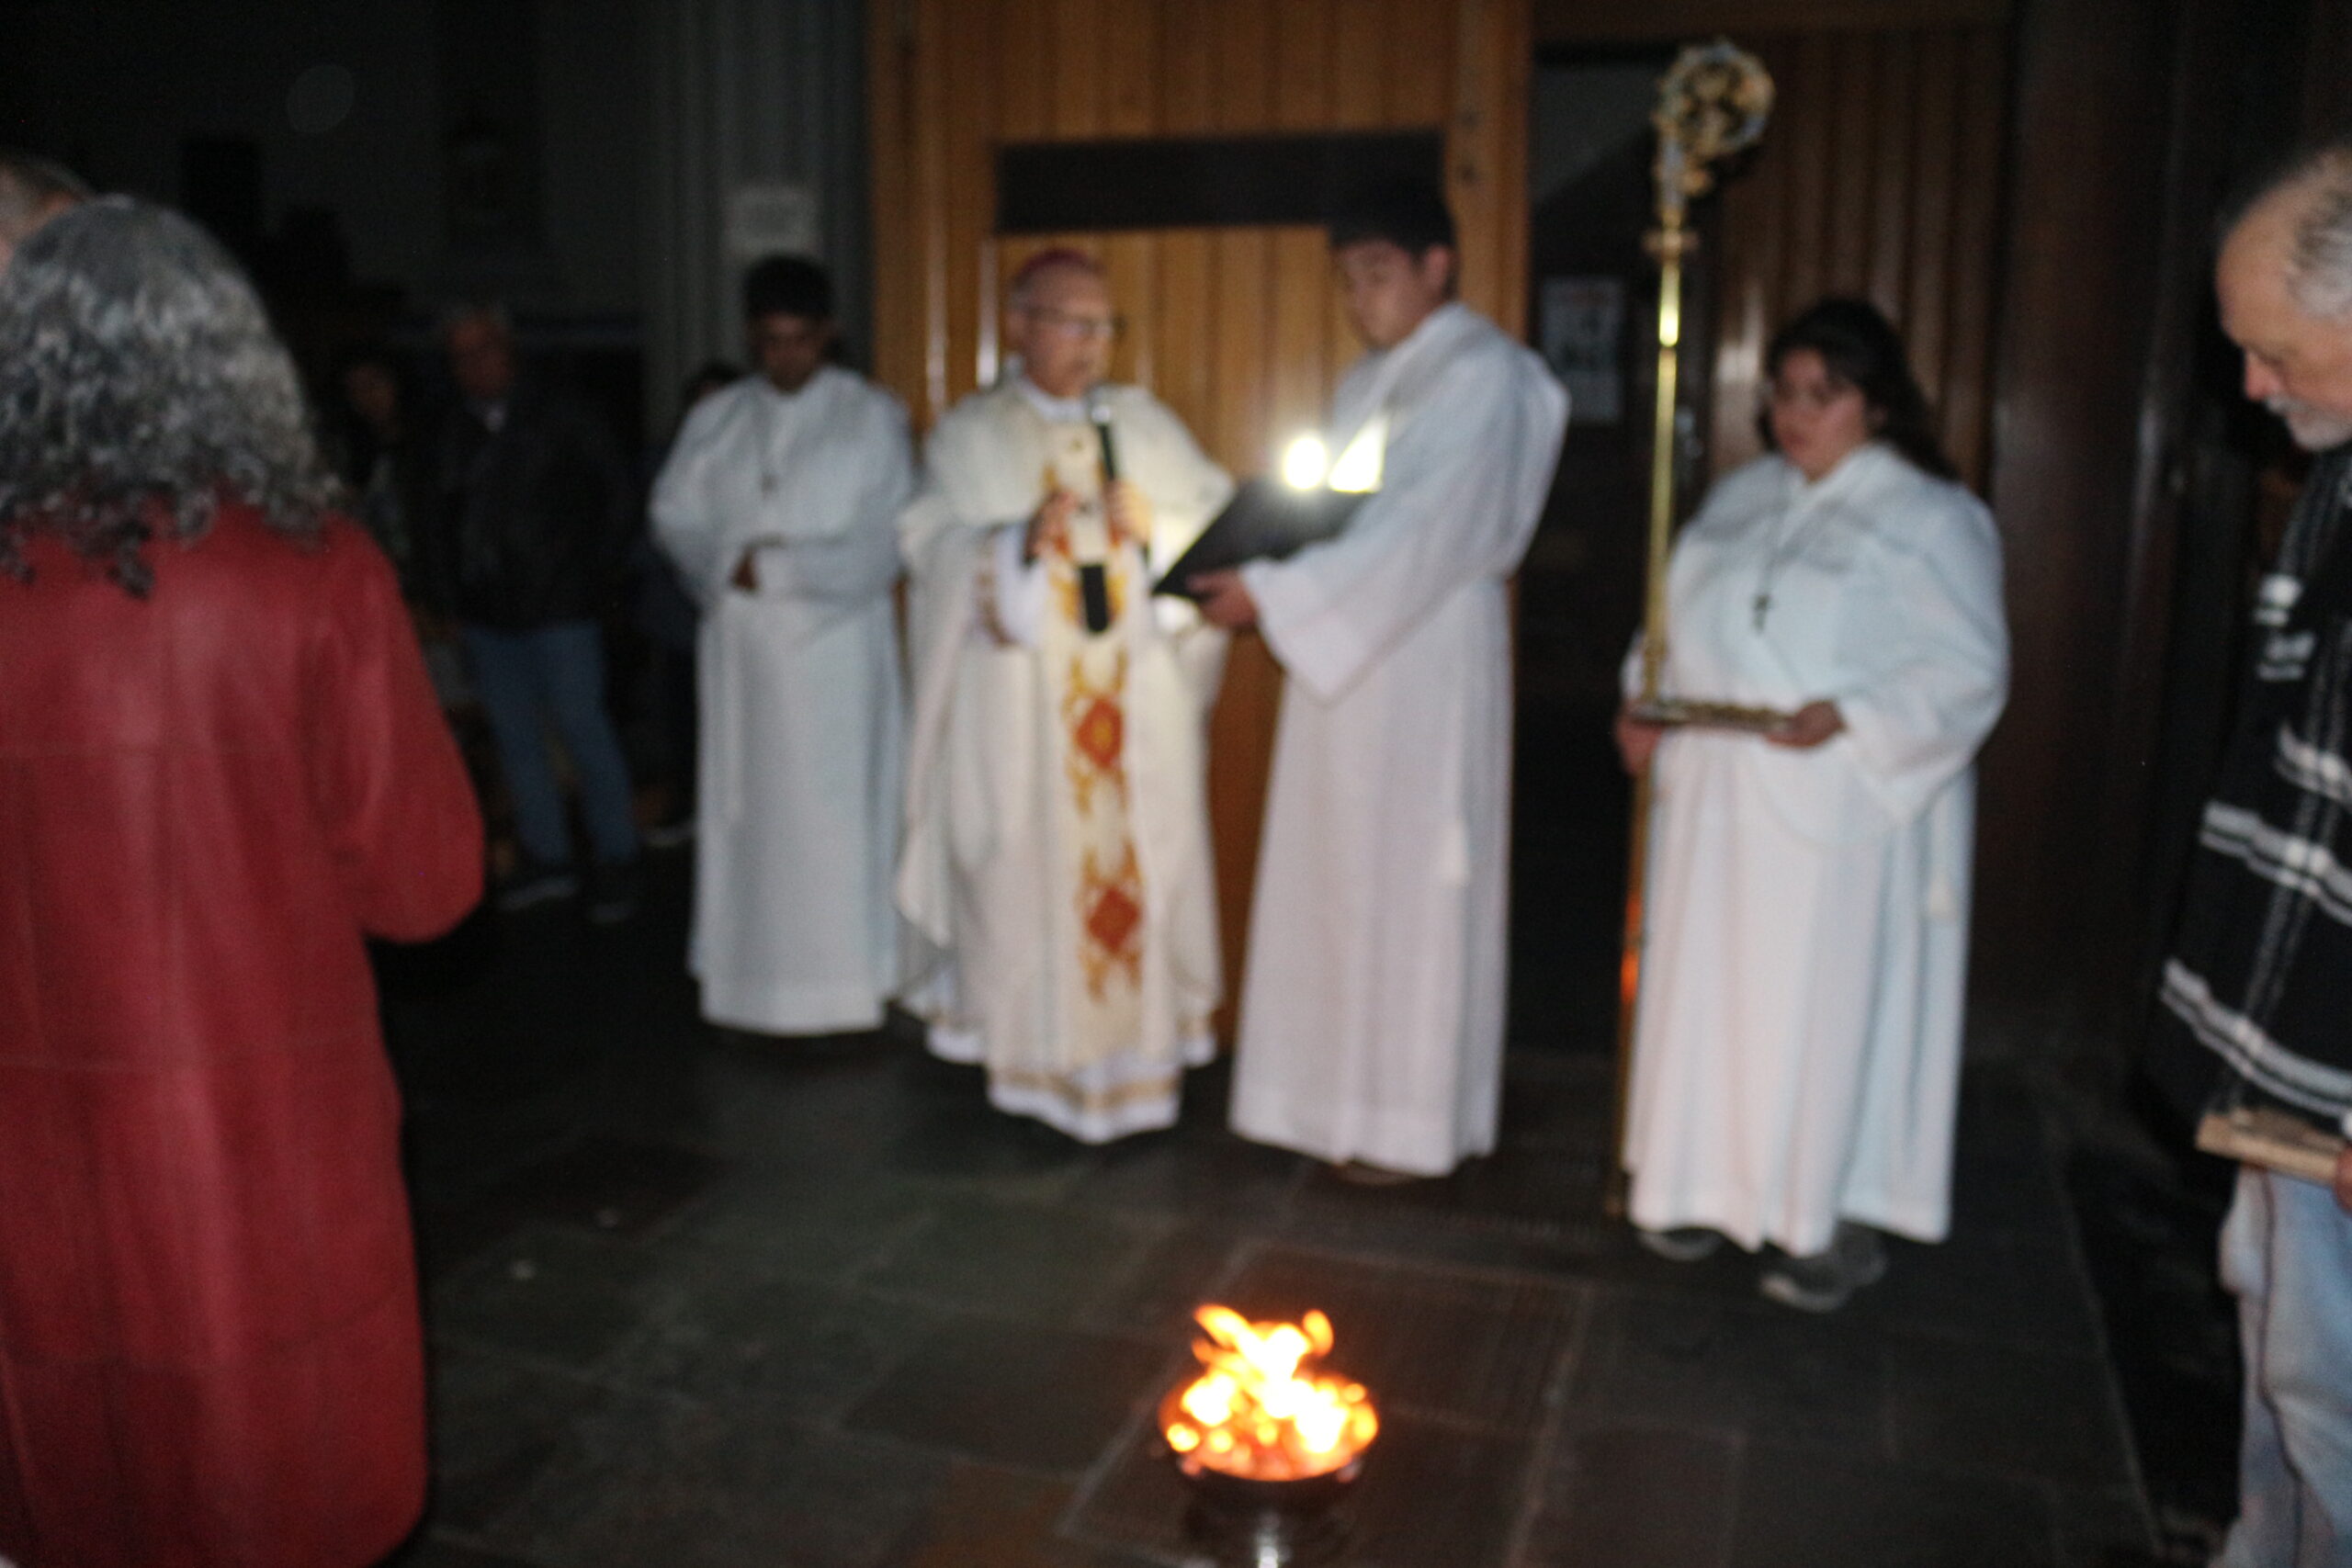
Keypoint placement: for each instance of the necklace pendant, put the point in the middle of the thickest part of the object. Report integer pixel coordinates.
(1763, 608)
(768, 484)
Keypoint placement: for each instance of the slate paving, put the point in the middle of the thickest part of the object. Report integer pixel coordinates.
(696, 1299)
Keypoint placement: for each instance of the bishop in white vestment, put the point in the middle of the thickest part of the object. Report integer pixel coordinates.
(779, 504)
(1372, 1015)
(1056, 865)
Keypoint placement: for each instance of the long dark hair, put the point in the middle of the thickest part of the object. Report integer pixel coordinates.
(1861, 347)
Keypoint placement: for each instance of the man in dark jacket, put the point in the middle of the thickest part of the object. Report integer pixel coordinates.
(2262, 979)
(537, 504)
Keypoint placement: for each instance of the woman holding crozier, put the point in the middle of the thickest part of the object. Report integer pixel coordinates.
(1796, 1055)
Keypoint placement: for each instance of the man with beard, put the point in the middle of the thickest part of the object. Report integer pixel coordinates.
(2263, 968)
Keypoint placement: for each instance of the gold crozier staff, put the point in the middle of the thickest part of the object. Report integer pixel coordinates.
(1712, 103)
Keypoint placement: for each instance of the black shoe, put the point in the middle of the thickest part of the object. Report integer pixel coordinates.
(612, 893)
(676, 833)
(1827, 1280)
(535, 882)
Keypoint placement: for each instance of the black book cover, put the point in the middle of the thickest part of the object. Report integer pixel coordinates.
(1266, 520)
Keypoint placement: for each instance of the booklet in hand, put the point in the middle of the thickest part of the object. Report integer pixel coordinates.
(1266, 520)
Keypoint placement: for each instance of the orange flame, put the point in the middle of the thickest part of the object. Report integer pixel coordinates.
(1252, 1413)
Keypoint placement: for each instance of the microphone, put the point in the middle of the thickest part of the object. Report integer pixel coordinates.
(1093, 581)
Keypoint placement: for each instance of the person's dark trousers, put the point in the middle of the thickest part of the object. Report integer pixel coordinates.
(674, 697)
(555, 672)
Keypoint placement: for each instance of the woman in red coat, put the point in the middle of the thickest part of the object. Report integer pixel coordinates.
(220, 767)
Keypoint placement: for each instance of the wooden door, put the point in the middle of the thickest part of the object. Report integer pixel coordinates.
(1236, 329)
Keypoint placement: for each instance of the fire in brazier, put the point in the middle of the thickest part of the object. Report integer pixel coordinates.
(1261, 1410)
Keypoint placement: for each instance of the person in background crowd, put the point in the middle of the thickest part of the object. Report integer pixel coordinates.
(536, 506)
(32, 191)
(668, 619)
(2257, 998)
(1371, 1027)
(1796, 1061)
(1058, 866)
(221, 768)
(386, 460)
(779, 505)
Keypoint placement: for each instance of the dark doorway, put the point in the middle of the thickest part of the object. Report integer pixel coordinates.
(1592, 298)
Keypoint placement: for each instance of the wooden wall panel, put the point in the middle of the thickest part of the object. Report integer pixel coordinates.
(1236, 329)
(1881, 177)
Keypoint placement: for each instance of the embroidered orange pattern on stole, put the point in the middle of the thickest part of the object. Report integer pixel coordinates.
(1111, 910)
(1096, 719)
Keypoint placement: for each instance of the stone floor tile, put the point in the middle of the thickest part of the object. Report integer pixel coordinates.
(794, 1347)
(555, 1294)
(1183, 1268)
(2010, 1192)
(1540, 1193)
(2030, 1412)
(616, 1185)
(428, 1550)
(824, 1224)
(1195, 1173)
(496, 1421)
(641, 1481)
(988, 1517)
(1807, 1508)
(1982, 1285)
(970, 1144)
(1016, 1394)
(1634, 1497)
(1705, 1362)
(1048, 1264)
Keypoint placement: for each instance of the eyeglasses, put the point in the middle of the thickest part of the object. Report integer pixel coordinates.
(1087, 329)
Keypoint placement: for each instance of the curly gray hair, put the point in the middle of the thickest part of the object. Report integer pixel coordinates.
(140, 385)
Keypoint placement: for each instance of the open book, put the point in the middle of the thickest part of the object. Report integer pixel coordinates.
(1266, 520)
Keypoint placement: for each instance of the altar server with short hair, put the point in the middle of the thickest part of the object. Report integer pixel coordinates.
(780, 506)
(1372, 1018)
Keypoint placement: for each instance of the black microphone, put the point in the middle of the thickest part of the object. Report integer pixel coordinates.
(1093, 582)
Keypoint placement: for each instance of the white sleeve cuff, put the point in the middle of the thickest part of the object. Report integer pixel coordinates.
(1019, 608)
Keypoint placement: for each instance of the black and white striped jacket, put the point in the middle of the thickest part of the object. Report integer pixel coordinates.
(2262, 973)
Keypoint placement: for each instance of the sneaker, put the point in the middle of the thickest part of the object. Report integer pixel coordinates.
(1687, 1245)
(612, 893)
(535, 882)
(1828, 1280)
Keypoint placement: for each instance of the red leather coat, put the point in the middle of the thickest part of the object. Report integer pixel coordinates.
(210, 1351)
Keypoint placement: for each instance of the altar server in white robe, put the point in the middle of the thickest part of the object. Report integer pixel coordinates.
(779, 505)
(1797, 1055)
(1058, 865)
(1372, 1015)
